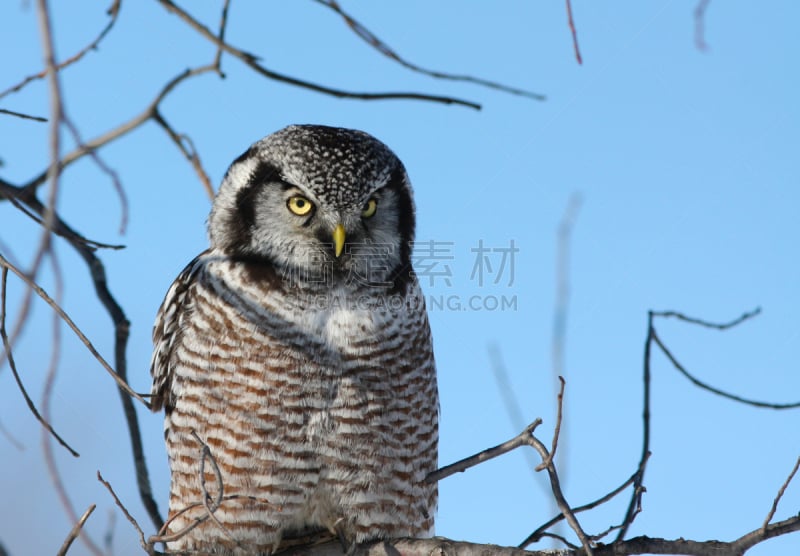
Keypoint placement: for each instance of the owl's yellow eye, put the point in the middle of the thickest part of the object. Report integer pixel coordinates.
(370, 208)
(299, 205)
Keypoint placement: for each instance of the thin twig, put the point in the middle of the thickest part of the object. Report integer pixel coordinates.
(113, 11)
(107, 170)
(557, 430)
(23, 116)
(513, 407)
(125, 511)
(47, 299)
(462, 465)
(561, 501)
(210, 505)
(47, 390)
(185, 145)
(561, 539)
(700, 25)
(11, 439)
(223, 25)
(555, 483)
(12, 364)
(57, 117)
(371, 39)
(747, 315)
(26, 202)
(76, 529)
(252, 61)
(697, 382)
(574, 33)
(777, 499)
(634, 503)
(82, 150)
(560, 314)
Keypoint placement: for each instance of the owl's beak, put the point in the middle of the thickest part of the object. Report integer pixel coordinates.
(338, 240)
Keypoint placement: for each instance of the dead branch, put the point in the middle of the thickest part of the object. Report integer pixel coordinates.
(208, 503)
(700, 25)
(252, 61)
(526, 438)
(113, 11)
(27, 203)
(541, 530)
(76, 529)
(747, 315)
(185, 145)
(121, 327)
(223, 25)
(778, 497)
(6, 265)
(548, 461)
(47, 391)
(371, 39)
(697, 382)
(21, 115)
(705, 386)
(13, 366)
(125, 128)
(574, 32)
(125, 511)
(462, 465)
(12, 440)
(555, 484)
(653, 338)
(512, 406)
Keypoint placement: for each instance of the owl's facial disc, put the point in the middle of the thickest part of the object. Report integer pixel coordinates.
(317, 202)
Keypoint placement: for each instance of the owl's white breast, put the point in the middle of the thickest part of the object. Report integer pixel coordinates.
(338, 316)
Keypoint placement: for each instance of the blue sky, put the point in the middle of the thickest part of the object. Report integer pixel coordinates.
(686, 163)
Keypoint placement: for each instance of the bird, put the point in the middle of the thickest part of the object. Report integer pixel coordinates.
(293, 358)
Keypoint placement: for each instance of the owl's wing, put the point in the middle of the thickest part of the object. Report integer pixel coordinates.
(166, 333)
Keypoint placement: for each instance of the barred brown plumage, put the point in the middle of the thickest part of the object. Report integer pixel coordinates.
(318, 415)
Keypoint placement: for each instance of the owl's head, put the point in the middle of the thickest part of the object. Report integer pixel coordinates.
(317, 200)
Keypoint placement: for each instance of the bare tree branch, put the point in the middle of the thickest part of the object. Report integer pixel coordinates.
(512, 406)
(252, 61)
(778, 497)
(462, 465)
(125, 511)
(700, 25)
(561, 312)
(12, 364)
(76, 529)
(540, 531)
(12, 440)
(223, 25)
(698, 382)
(47, 391)
(113, 11)
(123, 129)
(574, 32)
(557, 431)
(555, 484)
(21, 115)
(185, 145)
(371, 39)
(47, 299)
(747, 315)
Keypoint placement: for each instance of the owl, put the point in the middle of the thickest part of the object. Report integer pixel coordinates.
(293, 358)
